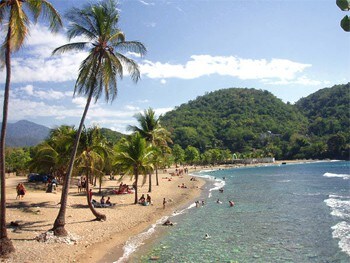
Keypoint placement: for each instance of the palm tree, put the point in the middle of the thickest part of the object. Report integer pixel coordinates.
(92, 159)
(52, 155)
(15, 20)
(153, 132)
(134, 157)
(99, 71)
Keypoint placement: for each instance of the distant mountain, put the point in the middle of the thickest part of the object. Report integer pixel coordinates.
(25, 133)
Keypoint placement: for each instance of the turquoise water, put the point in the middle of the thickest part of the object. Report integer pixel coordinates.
(288, 213)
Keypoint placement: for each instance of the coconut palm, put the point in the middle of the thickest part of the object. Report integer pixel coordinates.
(91, 160)
(134, 157)
(14, 20)
(150, 129)
(52, 155)
(98, 72)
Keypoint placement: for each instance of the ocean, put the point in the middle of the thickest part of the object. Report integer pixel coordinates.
(287, 213)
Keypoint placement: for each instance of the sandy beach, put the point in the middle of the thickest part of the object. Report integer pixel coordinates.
(91, 241)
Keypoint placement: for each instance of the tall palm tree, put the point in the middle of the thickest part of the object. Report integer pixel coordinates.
(134, 157)
(98, 73)
(91, 159)
(151, 129)
(13, 16)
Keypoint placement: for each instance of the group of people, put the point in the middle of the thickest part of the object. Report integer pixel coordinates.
(123, 189)
(21, 191)
(145, 201)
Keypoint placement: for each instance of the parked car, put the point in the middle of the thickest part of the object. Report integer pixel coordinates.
(33, 177)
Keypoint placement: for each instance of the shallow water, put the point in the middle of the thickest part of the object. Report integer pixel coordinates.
(288, 213)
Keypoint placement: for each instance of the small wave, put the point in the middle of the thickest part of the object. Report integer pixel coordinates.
(344, 176)
(340, 208)
(341, 231)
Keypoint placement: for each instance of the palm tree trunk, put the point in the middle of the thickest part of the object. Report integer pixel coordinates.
(58, 227)
(150, 183)
(6, 246)
(157, 175)
(99, 217)
(136, 172)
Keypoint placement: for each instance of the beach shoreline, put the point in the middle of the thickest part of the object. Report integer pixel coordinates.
(96, 241)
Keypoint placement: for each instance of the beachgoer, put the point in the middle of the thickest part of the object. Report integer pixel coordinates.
(231, 203)
(218, 201)
(206, 236)
(148, 199)
(142, 199)
(108, 201)
(79, 184)
(102, 201)
(164, 202)
(21, 190)
(168, 223)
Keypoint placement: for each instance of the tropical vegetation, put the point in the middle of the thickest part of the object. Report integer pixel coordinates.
(98, 73)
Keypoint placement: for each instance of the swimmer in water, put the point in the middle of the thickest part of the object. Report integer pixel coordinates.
(231, 203)
(218, 201)
(206, 236)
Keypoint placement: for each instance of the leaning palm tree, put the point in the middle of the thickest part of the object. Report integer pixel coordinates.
(99, 71)
(13, 16)
(134, 157)
(151, 129)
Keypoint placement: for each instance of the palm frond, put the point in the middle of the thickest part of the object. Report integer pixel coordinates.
(131, 66)
(133, 46)
(18, 24)
(70, 47)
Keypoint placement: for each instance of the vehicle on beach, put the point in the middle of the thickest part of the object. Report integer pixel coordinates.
(34, 177)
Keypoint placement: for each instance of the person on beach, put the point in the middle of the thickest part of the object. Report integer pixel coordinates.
(79, 184)
(21, 191)
(102, 201)
(168, 223)
(108, 201)
(164, 202)
(148, 199)
(142, 199)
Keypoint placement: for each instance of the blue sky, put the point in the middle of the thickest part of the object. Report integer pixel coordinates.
(291, 48)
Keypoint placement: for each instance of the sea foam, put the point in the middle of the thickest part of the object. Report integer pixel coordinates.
(344, 176)
(340, 208)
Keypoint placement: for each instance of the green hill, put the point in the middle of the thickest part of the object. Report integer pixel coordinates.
(328, 110)
(239, 119)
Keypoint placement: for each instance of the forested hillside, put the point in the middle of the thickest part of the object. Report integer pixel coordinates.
(328, 111)
(255, 122)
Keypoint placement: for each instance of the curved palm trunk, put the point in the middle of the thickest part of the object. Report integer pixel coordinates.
(6, 246)
(99, 216)
(58, 227)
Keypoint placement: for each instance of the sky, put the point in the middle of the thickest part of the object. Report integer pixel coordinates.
(291, 48)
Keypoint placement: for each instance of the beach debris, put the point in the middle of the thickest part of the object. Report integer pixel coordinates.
(154, 258)
(49, 238)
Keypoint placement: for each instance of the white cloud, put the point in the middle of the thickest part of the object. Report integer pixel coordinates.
(42, 94)
(145, 3)
(303, 80)
(205, 65)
